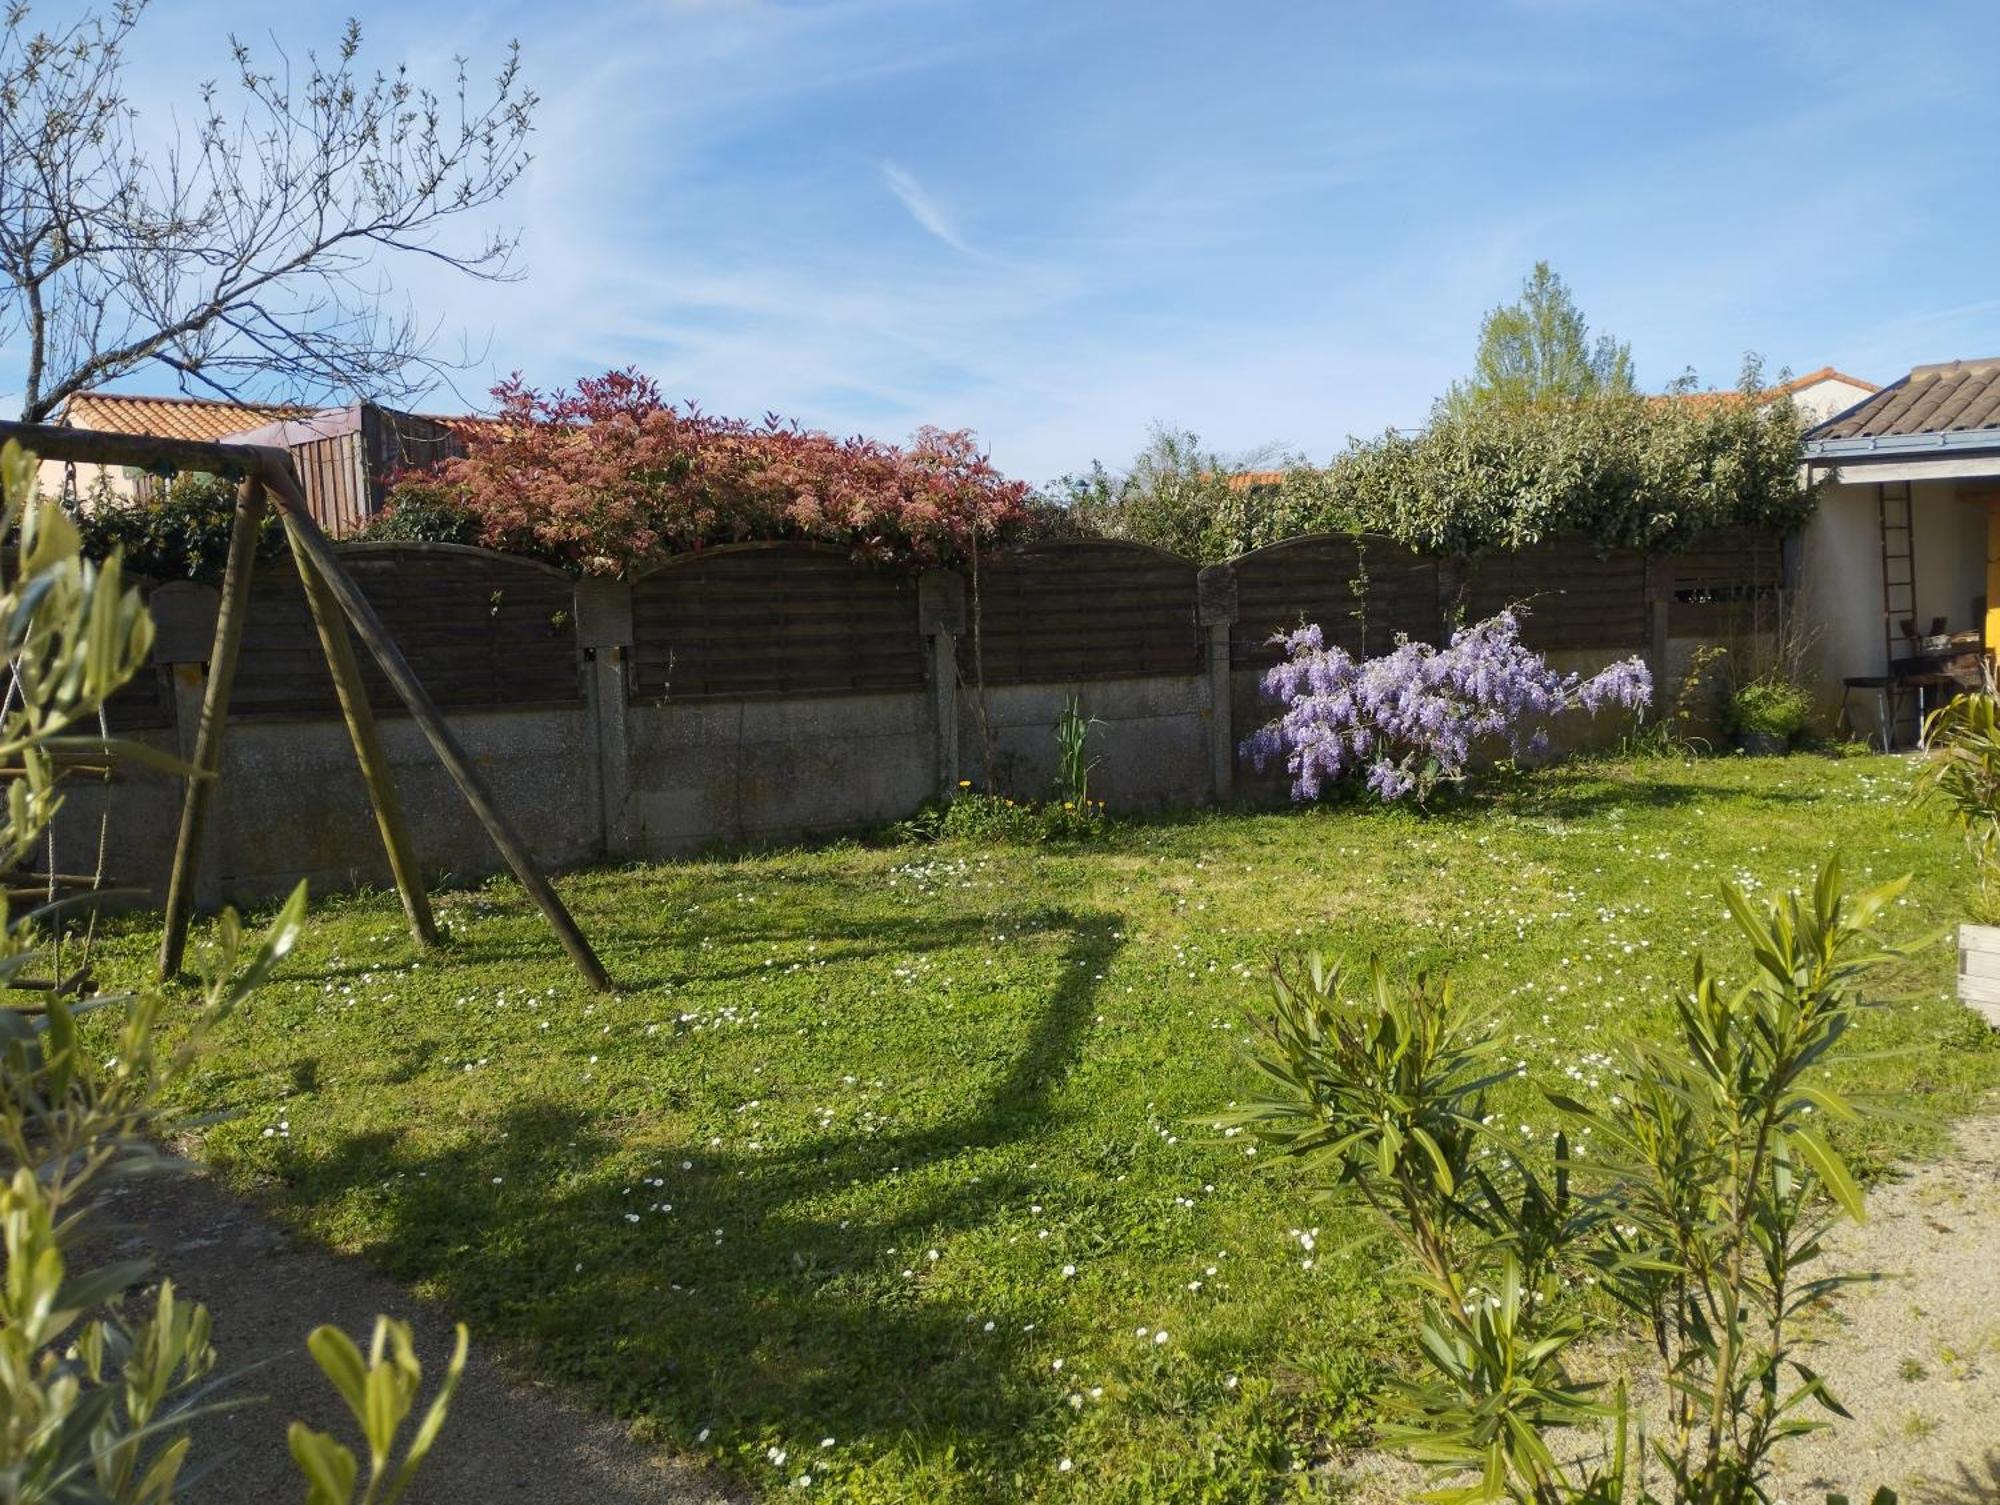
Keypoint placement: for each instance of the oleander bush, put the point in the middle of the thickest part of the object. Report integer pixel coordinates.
(1960, 773)
(1696, 1187)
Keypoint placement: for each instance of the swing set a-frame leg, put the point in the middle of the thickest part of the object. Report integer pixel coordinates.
(331, 625)
(207, 760)
(317, 551)
(354, 709)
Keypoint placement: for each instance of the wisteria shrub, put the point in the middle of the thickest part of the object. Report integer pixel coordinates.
(1411, 720)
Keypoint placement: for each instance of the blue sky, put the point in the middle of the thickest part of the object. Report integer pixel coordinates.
(1270, 223)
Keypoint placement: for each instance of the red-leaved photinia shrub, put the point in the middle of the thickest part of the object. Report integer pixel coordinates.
(609, 476)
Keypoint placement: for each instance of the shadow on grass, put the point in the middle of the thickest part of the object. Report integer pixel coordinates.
(633, 950)
(767, 1303)
(1580, 797)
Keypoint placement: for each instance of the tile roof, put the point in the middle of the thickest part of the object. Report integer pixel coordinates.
(1950, 397)
(1814, 378)
(1790, 388)
(169, 417)
(1252, 480)
(205, 419)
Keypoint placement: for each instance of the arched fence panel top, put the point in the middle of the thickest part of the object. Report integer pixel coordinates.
(1080, 609)
(1125, 549)
(771, 619)
(1576, 594)
(481, 630)
(358, 551)
(1361, 590)
(1375, 543)
(706, 557)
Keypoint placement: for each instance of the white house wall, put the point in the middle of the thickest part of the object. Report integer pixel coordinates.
(91, 480)
(1823, 399)
(1840, 582)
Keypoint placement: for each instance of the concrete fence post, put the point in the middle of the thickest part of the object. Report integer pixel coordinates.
(1215, 611)
(1659, 606)
(604, 632)
(184, 614)
(940, 619)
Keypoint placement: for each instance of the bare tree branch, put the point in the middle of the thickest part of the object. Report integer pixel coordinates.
(247, 254)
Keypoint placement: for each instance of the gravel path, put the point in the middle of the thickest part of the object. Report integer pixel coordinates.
(1915, 1358)
(505, 1441)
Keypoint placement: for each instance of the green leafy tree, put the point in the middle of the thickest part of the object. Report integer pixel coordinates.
(182, 533)
(1177, 494)
(1539, 349)
(1619, 469)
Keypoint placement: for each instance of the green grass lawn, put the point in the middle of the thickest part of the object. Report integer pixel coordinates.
(885, 1166)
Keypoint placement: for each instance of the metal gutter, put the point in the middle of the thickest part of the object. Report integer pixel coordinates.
(1891, 446)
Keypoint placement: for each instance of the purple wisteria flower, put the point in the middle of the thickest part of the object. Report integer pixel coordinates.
(1410, 720)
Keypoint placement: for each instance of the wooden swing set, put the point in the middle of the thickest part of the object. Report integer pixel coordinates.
(264, 473)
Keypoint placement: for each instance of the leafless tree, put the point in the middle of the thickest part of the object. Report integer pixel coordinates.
(246, 252)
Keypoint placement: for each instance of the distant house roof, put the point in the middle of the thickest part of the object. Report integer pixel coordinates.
(1949, 398)
(1251, 480)
(1813, 378)
(1790, 388)
(169, 417)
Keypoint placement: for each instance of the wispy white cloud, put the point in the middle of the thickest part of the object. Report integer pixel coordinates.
(1246, 227)
(923, 208)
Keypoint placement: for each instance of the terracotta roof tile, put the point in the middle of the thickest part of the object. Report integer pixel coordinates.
(169, 417)
(205, 419)
(1790, 388)
(1250, 480)
(1814, 378)
(1950, 397)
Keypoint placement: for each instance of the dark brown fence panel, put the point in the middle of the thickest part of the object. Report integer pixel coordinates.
(1575, 596)
(1288, 584)
(1727, 583)
(1339, 583)
(480, 630)
(1083, 609)
(145, 702)
(773, 619)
